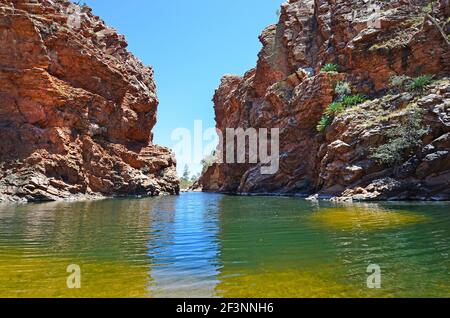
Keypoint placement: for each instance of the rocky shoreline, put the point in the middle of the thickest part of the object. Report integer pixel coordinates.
(321, 197)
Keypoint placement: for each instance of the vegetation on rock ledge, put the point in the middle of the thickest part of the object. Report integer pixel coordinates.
(330, 67)
(343, 91)
(404, 137)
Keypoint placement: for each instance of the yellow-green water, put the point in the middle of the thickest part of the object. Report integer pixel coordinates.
(208, 245)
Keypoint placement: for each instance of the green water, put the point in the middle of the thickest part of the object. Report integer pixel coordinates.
(208, 245)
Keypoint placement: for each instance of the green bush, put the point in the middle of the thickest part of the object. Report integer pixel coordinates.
(353, 100)
(334, 109)
(343, 88)
(324, 122)
(403, 137)
(402, 83)
(330, 67)
(420, 82)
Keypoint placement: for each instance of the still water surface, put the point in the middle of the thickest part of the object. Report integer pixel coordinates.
(210, 245)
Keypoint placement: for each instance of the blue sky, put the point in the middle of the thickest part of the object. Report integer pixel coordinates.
(190, 45)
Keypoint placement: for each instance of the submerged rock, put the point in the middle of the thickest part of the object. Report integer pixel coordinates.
(361, 217)
(76, 108)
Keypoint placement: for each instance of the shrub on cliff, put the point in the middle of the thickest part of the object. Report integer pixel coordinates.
(402, 138)
(324, 122)
(403, 83)
(420, 82)
(342, 89)
(330, 67)
(336, 108)
(353, 100)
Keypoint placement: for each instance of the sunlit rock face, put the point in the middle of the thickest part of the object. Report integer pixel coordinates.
(370, 42)
(76, 108)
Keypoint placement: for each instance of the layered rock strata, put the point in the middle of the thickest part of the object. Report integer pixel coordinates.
(76, 108)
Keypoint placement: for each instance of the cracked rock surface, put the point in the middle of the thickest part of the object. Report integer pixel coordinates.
(370, 42)
(76, 108)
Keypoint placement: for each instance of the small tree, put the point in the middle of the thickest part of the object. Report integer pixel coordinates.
(186, 173)
(186, 180)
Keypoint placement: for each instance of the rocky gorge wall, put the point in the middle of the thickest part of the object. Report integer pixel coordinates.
(361, 93)
(76, 108)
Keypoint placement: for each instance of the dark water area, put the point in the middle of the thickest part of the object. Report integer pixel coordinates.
(211, 245)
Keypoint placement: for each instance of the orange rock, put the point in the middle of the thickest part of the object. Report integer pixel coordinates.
(370, 43)
(76, 108)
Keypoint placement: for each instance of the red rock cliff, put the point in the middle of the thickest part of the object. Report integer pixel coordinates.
(383, 50)
(76, 108)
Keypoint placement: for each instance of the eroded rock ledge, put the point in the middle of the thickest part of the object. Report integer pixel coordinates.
(362, 152)
(76, 108)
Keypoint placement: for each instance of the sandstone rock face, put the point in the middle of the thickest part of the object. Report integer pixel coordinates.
(370, 41)
(76, 108)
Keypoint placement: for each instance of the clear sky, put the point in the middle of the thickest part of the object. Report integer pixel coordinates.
(190, 44)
